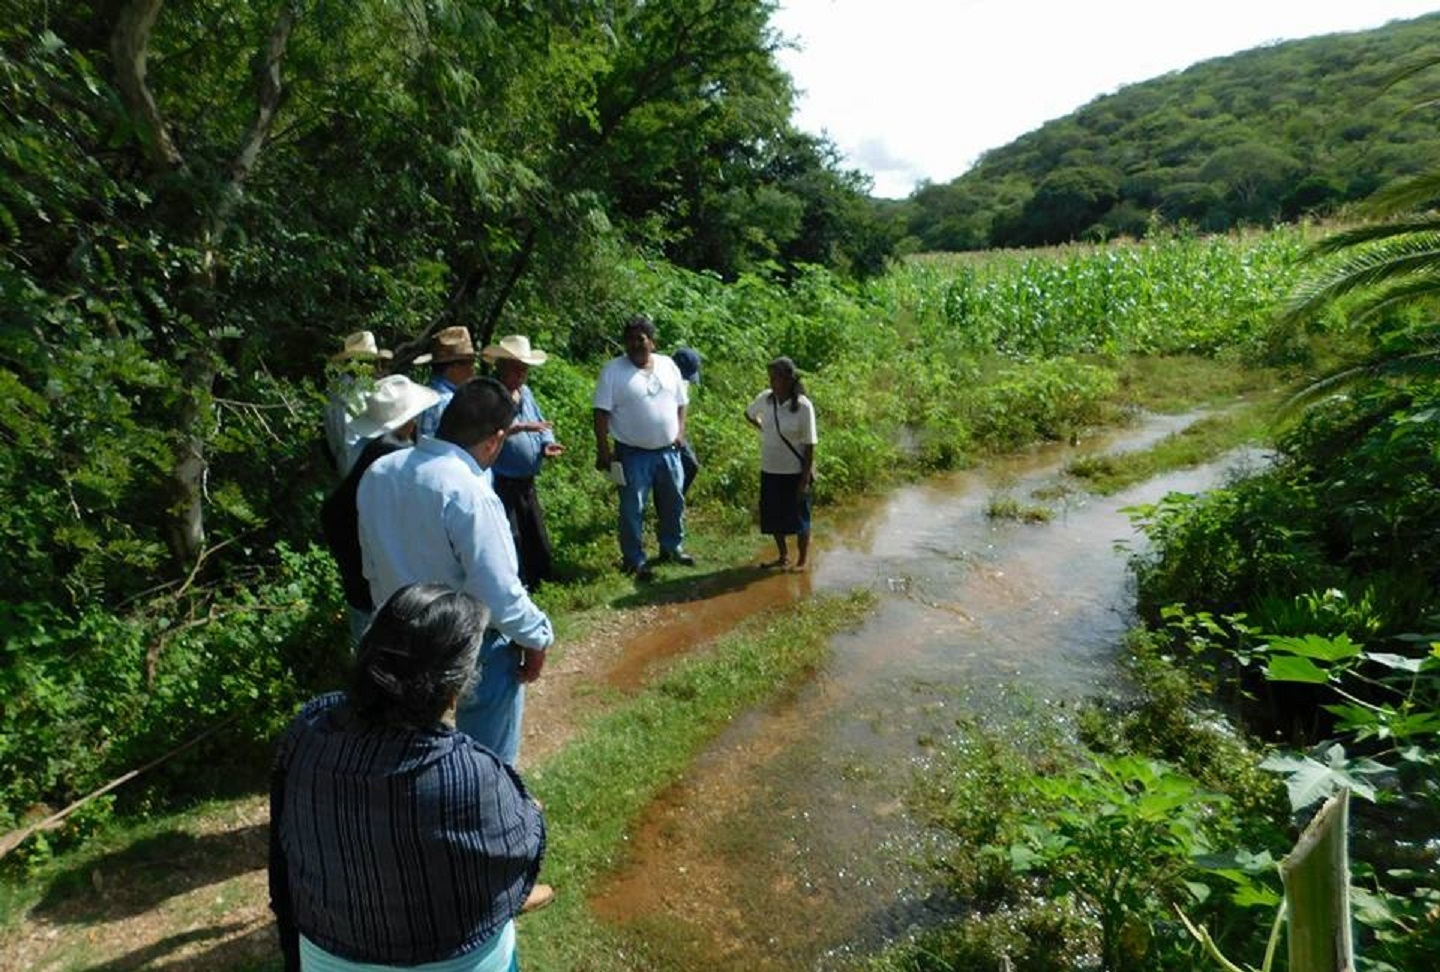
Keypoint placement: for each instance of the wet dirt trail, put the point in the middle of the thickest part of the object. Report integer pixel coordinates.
(788, 843)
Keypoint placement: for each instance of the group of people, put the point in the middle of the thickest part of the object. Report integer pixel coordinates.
(401, 834)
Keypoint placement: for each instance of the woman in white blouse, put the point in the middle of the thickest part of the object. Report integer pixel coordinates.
(786, 420)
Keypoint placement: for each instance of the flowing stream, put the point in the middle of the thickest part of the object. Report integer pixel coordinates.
(788, 843)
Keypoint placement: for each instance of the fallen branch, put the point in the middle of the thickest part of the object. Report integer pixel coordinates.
(15, 838)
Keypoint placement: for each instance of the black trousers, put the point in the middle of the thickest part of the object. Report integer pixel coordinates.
(527, 527)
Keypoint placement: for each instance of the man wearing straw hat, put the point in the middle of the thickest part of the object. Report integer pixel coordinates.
(386, 425)
(452, 363)
(353, 369)
(528, 443)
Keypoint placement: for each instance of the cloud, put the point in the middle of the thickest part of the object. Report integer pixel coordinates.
(894, 174)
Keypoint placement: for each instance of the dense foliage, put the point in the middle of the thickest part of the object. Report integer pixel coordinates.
(1270, 134)
(198, 200)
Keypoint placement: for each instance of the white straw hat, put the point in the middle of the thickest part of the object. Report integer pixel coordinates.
(395, 401)
(360, 346)
(516, 347)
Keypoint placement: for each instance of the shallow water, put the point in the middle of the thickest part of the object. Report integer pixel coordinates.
(788, 842)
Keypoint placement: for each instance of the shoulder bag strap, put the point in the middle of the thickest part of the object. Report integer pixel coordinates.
(794, 451)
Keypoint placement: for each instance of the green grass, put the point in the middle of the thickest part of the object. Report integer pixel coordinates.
(1006, 507)
(1197, 443)
(1178, 383)
(597, 787)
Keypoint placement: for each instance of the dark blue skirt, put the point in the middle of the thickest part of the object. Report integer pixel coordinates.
(783, 511)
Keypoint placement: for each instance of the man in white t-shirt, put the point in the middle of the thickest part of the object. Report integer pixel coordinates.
(640, 403)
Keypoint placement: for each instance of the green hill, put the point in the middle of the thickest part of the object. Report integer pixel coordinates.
(1266, 135)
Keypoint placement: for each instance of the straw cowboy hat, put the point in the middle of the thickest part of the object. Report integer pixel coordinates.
(515, 347)
(360, 346)
(395, 401)
(449, 344)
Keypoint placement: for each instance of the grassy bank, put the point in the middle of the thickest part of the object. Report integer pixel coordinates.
(1246, 423)
(595, 790)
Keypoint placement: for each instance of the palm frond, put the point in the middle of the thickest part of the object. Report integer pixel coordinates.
(1379, 366)
(1402, 197)
(1361, 235)
(1423, 286)
(1409, 259)
(1417, 65)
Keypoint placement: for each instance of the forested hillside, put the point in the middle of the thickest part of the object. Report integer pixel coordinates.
(1275, 133)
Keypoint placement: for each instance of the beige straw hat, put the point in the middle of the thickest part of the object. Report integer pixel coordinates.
(449, 344)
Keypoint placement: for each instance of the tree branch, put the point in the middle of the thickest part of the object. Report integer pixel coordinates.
(271, 95)
(129, 44)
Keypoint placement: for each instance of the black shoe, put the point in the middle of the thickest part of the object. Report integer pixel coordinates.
(638, 571)
(676, 557)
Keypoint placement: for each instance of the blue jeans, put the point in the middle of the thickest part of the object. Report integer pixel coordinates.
(646, 469)
(491, 711)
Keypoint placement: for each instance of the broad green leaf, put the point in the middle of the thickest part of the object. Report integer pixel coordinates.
(1288, 668)
(1255, 896)
(1308, 781)
(1320, 648)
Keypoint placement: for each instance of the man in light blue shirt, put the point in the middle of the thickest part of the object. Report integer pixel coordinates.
(529, 441)
(430, 515)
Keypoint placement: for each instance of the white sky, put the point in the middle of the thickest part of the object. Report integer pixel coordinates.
(917, 89)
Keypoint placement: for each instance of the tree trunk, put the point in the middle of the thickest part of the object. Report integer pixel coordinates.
(129, 42)
(187, 476)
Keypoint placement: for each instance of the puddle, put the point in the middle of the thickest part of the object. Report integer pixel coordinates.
(787, 844)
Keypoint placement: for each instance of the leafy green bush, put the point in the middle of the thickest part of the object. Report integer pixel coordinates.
(91, 694)
(1122, 835)
(1352, 504)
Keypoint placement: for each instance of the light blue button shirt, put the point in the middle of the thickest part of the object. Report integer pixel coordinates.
(523, 452)
(429, 514)
(429, 422)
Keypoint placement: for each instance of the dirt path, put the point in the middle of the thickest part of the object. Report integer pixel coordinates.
(197, 897)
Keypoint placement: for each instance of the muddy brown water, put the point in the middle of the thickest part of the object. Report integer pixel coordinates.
(788, 845)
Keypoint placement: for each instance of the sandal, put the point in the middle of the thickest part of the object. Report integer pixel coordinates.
(540, 896)
(781, 562)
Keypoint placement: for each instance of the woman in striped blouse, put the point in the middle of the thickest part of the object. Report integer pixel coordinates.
(396, 841)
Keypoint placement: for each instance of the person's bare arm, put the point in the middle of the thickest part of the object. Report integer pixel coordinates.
(602, 440)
